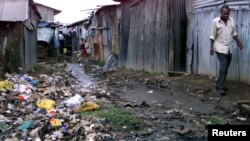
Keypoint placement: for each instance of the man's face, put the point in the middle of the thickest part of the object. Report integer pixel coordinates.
(225, 14)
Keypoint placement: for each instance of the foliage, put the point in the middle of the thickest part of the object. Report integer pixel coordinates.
(39, 67)
(217, 120)
(100, 63)
(118, 118)
(155, 73)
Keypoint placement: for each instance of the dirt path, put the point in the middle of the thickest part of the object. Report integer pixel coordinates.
(177, 108)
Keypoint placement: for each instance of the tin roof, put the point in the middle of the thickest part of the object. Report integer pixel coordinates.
(16, 10)
(107, 6)
(77, 23)
(237, 4)
(56, 11)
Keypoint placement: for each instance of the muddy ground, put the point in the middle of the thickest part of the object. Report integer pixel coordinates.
(174, 108)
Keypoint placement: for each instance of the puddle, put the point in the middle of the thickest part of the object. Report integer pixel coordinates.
(83, 79)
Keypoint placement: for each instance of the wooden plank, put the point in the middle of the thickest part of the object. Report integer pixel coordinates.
(175, 73)
(243, 101)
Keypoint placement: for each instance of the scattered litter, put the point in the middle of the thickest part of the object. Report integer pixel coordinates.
(26, 125)
(4, 126)
(241, 118)
(173, 111)
(43, 109)
(88, 106)
(66, 92)
(111, 63)
(144, 104)
(150, 92)
(34, 132)
(182, 130)
(46, 104)
(6, 85)
(23, 97)
(3, 118)
(130, 105)
(55, 122)
(74, 101)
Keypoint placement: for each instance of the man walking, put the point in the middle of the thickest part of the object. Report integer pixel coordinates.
(222, 33)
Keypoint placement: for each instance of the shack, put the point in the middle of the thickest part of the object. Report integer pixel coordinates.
(48, 43)
(107, 31)
(47, 13)
(76, 31)
(18, 40)
(153, 35)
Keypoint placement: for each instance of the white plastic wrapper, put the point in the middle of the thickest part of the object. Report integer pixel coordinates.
(74, 101)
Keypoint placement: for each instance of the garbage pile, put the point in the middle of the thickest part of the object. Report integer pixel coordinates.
(47, 108)
(111, 64)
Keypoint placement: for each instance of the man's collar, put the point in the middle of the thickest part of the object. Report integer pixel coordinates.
(228, 20)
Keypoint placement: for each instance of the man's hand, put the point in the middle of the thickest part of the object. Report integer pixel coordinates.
(240, 45)
(211, 52)
(212, 47)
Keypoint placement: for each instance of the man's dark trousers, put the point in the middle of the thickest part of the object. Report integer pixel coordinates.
(225, 60)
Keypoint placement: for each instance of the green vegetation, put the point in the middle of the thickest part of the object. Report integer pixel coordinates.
(118, 118)
(39, 67)
(217, 120)
(155, 73)
(54, 60)
(100, 62)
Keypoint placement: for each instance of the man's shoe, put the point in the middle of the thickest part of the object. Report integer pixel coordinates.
(221, 92)
(225, 89)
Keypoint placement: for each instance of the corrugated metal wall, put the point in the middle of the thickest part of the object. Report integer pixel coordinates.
(235, 4)
(30, 50)
(156, 39)
(11, 44)
(46, 13)
(108, 31)
(203, 63)
(115, 30)
(14, 10)
(17, 47)
(124, 33)
(18, 41)
(106, 38)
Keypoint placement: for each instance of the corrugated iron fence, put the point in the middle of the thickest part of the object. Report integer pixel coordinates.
(17, 48)
(10, 44)
(155, 38)
(203, 62)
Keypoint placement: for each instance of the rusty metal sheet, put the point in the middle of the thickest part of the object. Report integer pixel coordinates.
(14, 10)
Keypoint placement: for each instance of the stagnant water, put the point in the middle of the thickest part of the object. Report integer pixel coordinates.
(83, 79)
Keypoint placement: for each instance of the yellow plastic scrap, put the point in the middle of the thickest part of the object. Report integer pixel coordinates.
(89, 106)
(47, 104)
(6, 85)
(55, 122)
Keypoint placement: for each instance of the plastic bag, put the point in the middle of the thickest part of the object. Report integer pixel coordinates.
(47, 104)
(88, 106)
(6, 85)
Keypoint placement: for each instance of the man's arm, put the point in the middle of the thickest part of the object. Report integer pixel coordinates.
(240, 45)
(212, 37)
(212, 47)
